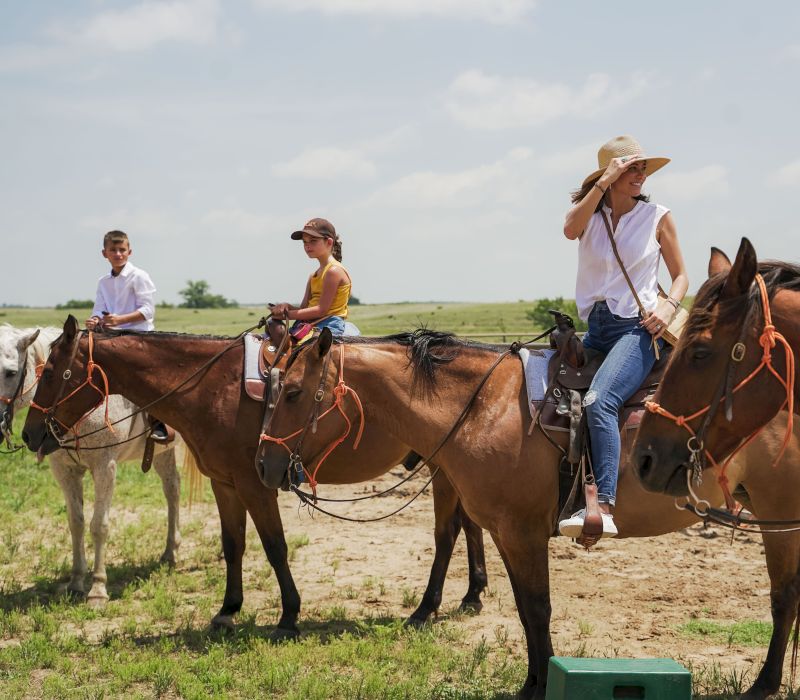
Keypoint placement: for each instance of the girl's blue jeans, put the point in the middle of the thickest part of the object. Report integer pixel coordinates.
(335, 323)
(629, 359)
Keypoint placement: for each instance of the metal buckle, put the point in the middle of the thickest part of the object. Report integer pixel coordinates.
(67, 373)
(738, 352)
(319, 396)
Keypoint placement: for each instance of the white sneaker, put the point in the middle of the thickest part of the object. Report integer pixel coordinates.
(573, 527)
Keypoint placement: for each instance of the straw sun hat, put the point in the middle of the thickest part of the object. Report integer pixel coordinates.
(628, 148)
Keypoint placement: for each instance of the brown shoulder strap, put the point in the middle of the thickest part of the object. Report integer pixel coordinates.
(619, 260)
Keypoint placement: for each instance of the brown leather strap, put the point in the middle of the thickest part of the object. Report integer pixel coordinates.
(621, 266)
(147, 457)
(627, 278)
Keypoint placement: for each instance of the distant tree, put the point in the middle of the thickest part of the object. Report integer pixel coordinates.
(197, 295)
(76, 304)
(354, 301)
(542, 319)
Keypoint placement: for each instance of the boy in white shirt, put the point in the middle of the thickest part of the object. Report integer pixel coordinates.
(125, 301)
(125, 295)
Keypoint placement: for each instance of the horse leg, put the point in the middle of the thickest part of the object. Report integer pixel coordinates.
(104, 475)
(447, 525)
(783, 564)
(528, 572)
(167, 470)
(262, 504)
(70, 478)
(233, 519)
(478, 580)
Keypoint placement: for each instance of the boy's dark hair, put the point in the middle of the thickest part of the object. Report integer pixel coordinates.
(115, 237)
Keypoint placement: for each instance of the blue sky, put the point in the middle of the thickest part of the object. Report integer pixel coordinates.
(441, 137)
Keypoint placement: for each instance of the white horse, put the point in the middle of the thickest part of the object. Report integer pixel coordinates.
(21, 350)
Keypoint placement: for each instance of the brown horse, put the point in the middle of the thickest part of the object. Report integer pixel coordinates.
(720, 348)
(506, 480)
(221, 426)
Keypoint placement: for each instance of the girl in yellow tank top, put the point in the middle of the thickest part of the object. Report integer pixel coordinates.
(328, 290)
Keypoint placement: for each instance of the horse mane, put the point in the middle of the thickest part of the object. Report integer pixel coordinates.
(427, 351)
(777, 275)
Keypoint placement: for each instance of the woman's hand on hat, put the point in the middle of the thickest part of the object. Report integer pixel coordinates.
(615, 168)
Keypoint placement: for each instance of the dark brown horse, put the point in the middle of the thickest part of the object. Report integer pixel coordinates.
(221, 426)
(728, 338)
(506, 480)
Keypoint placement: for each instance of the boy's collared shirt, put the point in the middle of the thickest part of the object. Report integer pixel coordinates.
(131, 290)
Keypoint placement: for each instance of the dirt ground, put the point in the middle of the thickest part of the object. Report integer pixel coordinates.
(624, 598)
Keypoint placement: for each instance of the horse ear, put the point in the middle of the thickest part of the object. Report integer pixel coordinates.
(26, 340)
(742, 273)
(718, 262)
(325, 341)
(71, 328)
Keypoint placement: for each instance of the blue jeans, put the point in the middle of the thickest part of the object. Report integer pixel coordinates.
(629, 359)
(335, 323)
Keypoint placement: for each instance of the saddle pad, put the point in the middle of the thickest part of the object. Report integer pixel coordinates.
(254, 382)
(534, 364)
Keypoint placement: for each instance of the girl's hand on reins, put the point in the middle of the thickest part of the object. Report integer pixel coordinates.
(280, 311)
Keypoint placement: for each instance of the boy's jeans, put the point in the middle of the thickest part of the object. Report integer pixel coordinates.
(629, 359)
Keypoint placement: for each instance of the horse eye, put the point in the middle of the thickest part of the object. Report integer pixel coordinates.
(11, 373)
(701, 353)
(293, 394)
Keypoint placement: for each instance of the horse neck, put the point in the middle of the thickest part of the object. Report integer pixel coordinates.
(381, 376)
(36, 354)
(146, 367)
(785, 309)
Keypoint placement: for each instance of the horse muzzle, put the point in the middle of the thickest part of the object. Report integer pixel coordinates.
(39, 439)
(661, 469)
(273, 468)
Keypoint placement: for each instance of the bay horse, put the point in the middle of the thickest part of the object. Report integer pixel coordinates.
(417, 385)
(221, 425)
(732, 372)
(22, 350)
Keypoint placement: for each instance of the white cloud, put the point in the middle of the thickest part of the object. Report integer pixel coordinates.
(495, 11)
(483, 101)
(495, 183)
(789, 53)
(326, 164)
(146, 24)
(787, 176)
(708, 181)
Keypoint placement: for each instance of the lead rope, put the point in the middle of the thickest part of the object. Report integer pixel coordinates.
(768, 339)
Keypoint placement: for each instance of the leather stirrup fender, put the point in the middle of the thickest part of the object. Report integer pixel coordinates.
(147, 457)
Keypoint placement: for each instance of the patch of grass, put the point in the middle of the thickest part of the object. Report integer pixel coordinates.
(745, 632)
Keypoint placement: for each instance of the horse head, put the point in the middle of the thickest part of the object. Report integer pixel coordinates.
(14, 376)
(62, 395)
(305, 424)
(704, 407)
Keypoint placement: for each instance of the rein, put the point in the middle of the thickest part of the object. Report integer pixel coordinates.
(50, 420)
(696, 443)
(295, 460)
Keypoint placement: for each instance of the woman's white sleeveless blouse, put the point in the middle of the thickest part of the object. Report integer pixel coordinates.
(599, 275)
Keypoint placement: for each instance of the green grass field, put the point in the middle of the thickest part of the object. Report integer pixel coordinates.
(502, 320)
(152, 639)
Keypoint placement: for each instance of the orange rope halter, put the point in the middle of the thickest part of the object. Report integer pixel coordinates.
(768, 339)
(340, 391)
(37, 374)
(91, 366)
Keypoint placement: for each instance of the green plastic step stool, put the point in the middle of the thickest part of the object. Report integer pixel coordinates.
(570, 678)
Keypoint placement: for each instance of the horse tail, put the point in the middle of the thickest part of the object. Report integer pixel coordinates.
(194, 477)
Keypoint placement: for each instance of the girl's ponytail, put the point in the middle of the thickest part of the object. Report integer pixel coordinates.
(336, 250)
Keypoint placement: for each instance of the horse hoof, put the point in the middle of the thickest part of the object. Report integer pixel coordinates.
(96, 601)
(280, 635)
(168, 559)
(470, 607)
(222, 623)
(416, 622)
